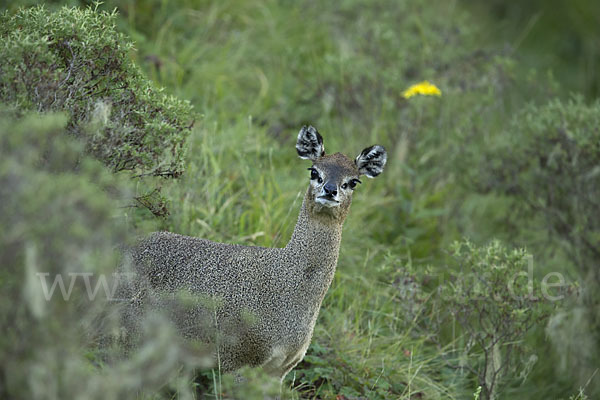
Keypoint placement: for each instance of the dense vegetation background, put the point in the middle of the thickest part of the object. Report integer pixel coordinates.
(94, 153)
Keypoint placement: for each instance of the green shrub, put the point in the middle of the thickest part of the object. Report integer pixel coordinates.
(58, 220)
(549, 160)
(547, 166)
(74, 60)
(495, 304)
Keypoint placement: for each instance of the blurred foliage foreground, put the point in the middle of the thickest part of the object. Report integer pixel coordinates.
(414, 311)
(75, 61)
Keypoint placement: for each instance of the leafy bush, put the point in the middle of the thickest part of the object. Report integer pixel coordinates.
(480, 312)
(74, 60)
(58, 222)
(549, 160)
(495, 307)
(547, 164)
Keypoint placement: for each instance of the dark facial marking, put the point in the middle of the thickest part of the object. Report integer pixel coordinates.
(314, 174)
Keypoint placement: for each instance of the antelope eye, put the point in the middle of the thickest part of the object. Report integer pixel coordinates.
(314, 174)
(345, 186)
(353, 183)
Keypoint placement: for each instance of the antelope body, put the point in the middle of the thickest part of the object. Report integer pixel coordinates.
(257, 306)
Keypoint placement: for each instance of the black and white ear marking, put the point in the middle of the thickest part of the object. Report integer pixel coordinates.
(370, 161)
(310, 144)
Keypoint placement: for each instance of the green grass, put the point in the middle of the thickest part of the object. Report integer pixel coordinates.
(256, 72)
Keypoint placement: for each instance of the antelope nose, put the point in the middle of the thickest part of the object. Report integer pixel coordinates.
(330, 189)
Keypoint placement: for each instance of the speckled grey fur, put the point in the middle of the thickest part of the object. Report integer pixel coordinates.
(257, 305)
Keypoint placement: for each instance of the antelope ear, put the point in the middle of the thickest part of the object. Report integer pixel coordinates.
(370, 161)
(310, 144)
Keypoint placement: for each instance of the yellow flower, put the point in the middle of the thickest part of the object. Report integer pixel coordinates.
(425, 88)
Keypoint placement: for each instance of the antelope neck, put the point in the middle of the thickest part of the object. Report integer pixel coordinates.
(316, 238)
